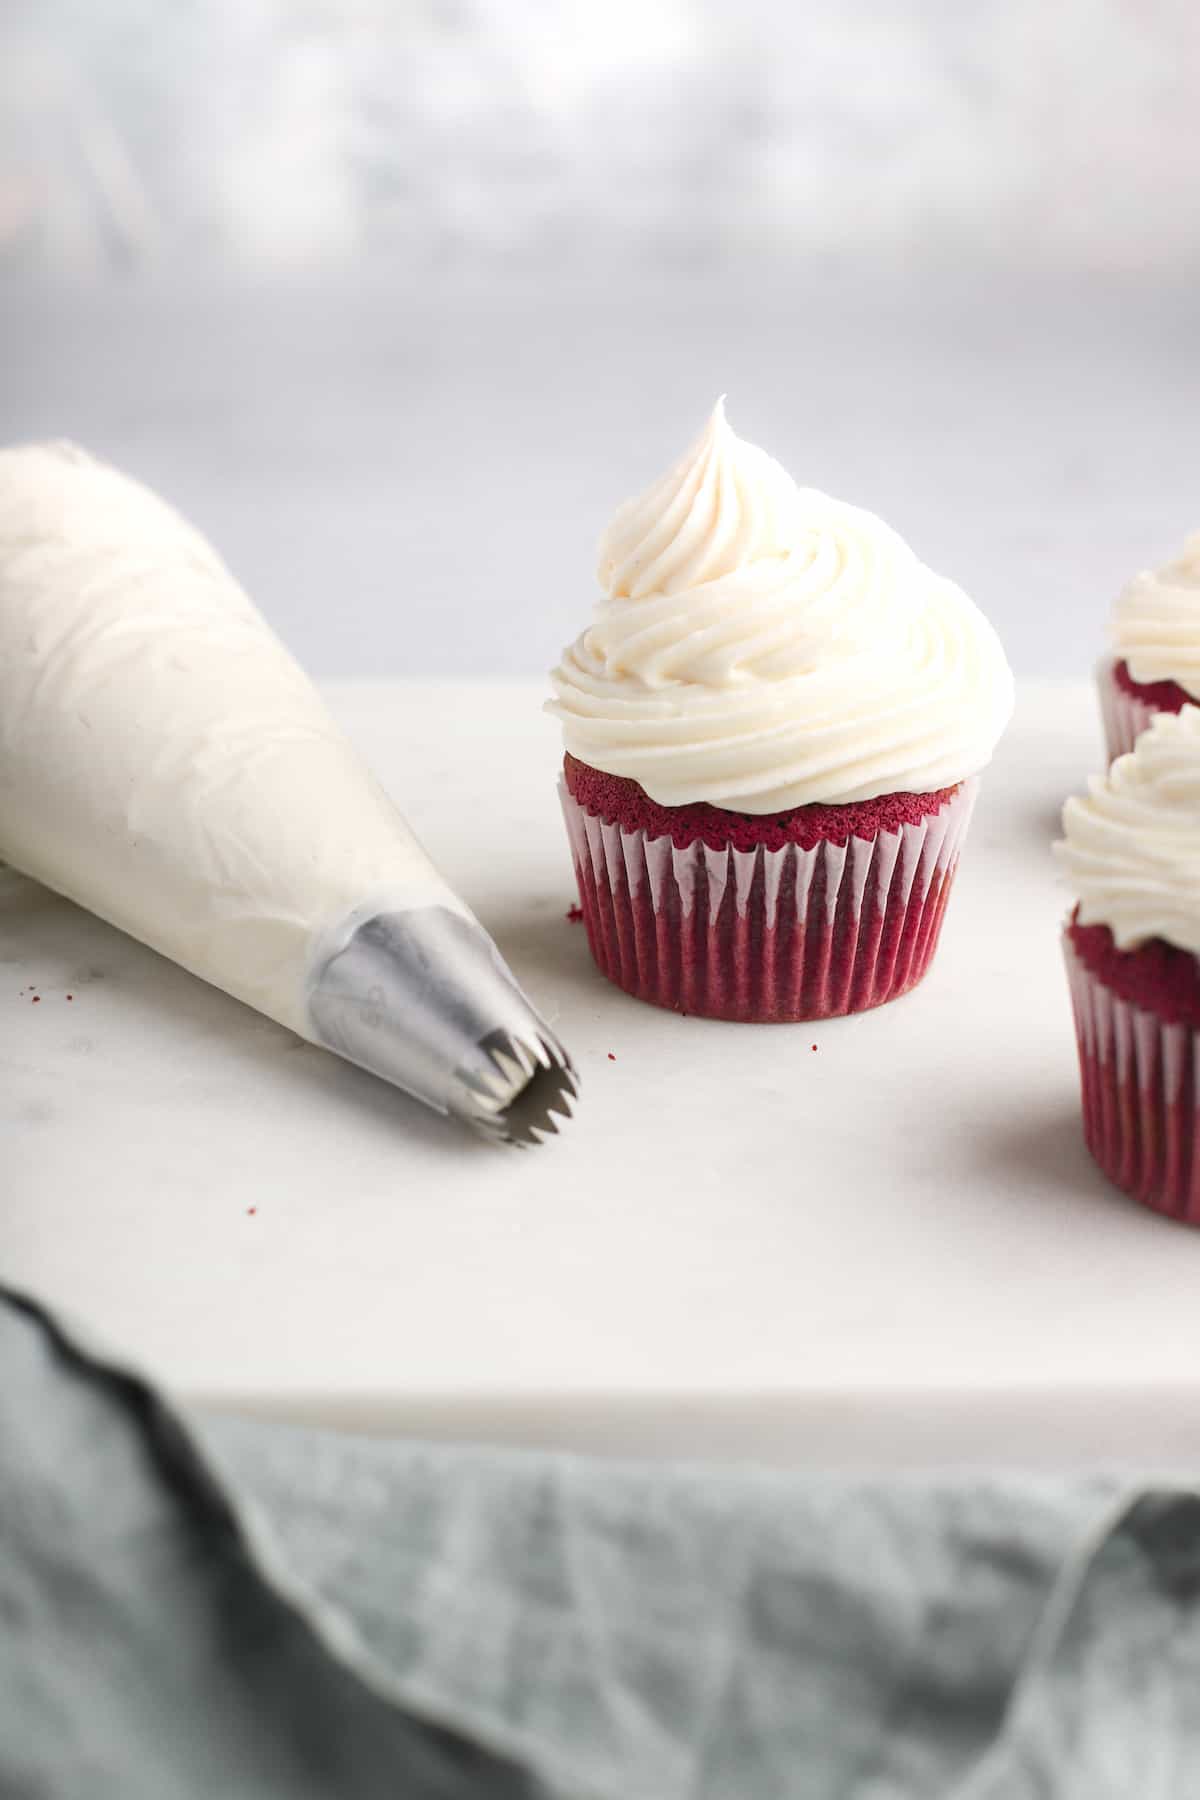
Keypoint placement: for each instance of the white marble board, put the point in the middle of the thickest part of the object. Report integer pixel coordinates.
(892, 1250)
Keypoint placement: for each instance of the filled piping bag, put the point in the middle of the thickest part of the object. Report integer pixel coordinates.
(167, 764)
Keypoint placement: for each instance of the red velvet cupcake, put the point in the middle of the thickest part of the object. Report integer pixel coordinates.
(772, 731)
(1132, 949)
(1155, 667)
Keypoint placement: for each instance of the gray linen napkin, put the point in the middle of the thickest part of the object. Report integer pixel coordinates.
(216, 1608)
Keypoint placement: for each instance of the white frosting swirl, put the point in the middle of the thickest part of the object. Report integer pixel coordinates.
(761, 646)
(1132, 847)
(1156, 622)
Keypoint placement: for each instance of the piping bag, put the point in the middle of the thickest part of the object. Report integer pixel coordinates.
(167, 764)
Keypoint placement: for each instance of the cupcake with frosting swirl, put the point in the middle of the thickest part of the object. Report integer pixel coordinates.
(773, 728)
(1131, 850)
(1154, 666)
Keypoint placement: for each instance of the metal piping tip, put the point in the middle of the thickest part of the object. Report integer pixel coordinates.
(519, 1090)
(424, 1000)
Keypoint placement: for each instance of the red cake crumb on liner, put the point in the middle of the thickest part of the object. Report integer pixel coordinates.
(1138, 1070)
(1127, 706)
(769, 932)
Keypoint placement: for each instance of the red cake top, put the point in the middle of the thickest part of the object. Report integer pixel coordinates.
(621, 802)
(1167, 696)
(1157, 976)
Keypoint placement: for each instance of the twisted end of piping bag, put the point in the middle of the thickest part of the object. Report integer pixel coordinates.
(423, 999)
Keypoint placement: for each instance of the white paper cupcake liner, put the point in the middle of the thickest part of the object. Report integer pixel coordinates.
(1125, 716)
(1138, 1077)
(762, 934)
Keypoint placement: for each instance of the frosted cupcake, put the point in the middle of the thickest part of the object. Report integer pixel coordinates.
(773, 728)
(1132, 854)
(1155, 663)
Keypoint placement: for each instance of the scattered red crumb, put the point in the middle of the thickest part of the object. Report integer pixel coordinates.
(252, 1210)
(574, 914)
(35, 999)
(814, 1046)
(70, 996)
(1166, 696)
(611, 1057)
(621, 802)
(1157, 976)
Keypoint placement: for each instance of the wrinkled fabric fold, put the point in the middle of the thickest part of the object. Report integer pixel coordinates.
(207, 1606)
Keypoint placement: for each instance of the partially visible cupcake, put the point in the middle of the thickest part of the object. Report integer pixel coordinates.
(772, 729)
(1132, 946)
(1155, 662)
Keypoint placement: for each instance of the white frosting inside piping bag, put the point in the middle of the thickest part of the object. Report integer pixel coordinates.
(163, 760)
(761, 646)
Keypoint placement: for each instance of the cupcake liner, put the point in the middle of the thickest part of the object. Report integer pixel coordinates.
(1125, 716)
(1140, 1098)
(760, 934)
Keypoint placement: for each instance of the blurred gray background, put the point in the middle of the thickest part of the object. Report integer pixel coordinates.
(399, 299)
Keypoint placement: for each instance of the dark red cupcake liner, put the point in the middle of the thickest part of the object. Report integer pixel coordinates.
(764, 935)
(1138, 1075)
